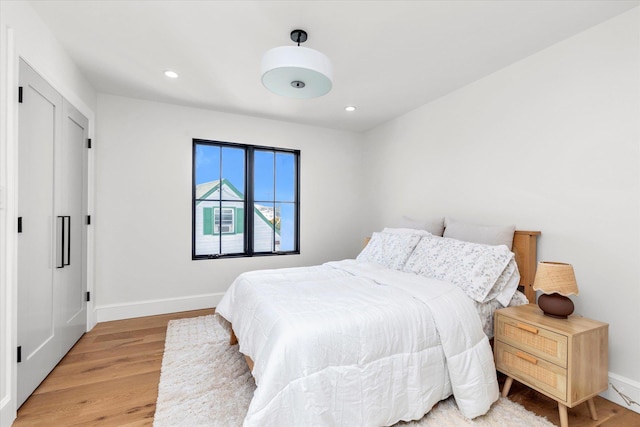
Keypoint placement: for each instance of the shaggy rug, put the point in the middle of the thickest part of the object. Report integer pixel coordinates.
(205, 382)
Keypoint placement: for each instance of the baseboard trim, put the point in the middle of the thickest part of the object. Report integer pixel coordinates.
(7, 411)
(106, 313)
(626, 389)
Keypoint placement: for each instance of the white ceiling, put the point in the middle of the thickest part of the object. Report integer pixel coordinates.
(389, 57)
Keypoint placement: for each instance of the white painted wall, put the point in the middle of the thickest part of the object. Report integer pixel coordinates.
(23, 34)
(551, 143)
(143, 212)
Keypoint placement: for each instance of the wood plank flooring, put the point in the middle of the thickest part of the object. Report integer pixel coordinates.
(110, 378)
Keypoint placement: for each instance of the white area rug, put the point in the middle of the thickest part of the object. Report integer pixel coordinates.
(206, 382)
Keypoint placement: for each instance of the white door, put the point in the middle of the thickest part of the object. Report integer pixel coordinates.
(51, 242)
(71, 182)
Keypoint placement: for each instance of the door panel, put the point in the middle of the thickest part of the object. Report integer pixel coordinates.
(36, 332)
(70, 279)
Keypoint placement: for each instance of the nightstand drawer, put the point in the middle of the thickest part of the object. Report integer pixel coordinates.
(531, 370)
(532, 339)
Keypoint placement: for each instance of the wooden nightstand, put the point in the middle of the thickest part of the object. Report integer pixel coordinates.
(565, 359)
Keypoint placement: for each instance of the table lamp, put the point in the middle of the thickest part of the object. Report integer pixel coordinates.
(556, 281)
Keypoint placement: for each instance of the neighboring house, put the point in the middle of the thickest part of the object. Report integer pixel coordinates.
(211, 224)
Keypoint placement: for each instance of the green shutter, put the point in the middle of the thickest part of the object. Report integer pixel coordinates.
(207, 221)
(239, 221)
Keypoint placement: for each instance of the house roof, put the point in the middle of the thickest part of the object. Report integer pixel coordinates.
(206, 188)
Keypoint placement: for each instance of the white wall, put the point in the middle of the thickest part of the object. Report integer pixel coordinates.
(143, 210)
(23, 34)
(551, 143)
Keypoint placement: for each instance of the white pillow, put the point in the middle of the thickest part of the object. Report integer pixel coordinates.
(506, 285)
(389, 249)
(485, 234)
(483, 272)
(434, 226)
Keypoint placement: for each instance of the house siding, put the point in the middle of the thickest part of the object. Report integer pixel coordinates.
(207, 241)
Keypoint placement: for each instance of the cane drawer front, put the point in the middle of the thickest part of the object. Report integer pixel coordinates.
(538, 373)
(539, 342)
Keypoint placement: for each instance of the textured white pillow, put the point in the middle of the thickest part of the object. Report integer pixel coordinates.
(485, 234)
(434, 226)
(389, 249)
(483, 272)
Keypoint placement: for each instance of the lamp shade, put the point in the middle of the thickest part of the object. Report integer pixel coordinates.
(297, 72)
(555, 277)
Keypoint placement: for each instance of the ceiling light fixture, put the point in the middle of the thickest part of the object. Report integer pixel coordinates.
(297, 72)
(171, 74)
(350, 108)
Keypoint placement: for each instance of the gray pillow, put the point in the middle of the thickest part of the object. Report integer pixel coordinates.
(434, 226)
(486, 234)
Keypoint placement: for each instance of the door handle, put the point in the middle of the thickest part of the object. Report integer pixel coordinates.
(63, 231)
(60, 235)
(67, 227)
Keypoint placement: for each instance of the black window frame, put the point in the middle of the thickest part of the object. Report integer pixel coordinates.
(249, 151)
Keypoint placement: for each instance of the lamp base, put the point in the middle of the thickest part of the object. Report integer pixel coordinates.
(555, 305)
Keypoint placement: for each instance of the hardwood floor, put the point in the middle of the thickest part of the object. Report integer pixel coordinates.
(110, 378)
(609, 413)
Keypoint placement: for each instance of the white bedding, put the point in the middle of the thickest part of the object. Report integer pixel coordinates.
(351, 343)
(486, 310)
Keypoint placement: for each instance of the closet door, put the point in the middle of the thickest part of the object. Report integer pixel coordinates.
(70, 190)
(52, 230)
(40, 114)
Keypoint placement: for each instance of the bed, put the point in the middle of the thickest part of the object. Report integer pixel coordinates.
(355, 342)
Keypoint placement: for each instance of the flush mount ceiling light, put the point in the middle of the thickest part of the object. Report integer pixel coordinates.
(297, 72)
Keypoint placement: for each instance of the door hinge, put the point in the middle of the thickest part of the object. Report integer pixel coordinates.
(88, 142)
(20, 94)
(19, 354)
(88, 296)
(88, 219)
(19, 224)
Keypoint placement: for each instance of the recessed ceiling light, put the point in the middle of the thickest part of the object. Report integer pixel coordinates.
(171, 74)
(350, 108)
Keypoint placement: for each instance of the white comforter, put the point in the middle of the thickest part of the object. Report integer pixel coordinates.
(356, 344)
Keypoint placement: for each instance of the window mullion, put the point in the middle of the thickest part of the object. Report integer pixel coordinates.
(249, 193)
(273, 238)
(220, 188)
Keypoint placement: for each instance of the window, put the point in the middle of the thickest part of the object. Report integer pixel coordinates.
(224, 224)
(211, 221)
(230, 180)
